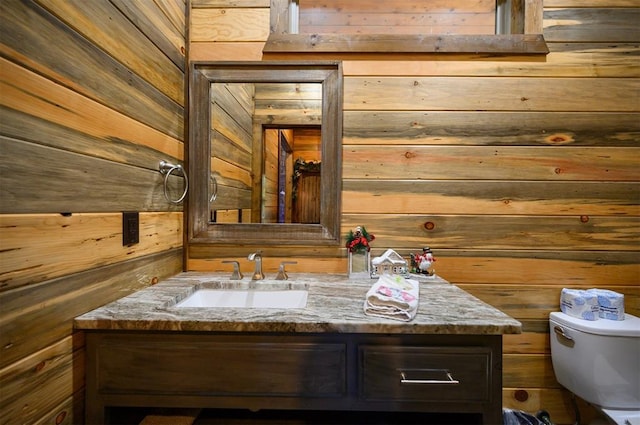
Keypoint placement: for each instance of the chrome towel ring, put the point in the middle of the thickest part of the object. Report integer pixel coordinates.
(213, 188)
(166, 168)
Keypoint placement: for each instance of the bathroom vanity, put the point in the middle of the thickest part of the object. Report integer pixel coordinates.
(144, 350)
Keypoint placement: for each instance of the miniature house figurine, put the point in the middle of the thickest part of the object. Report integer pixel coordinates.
(389, 263)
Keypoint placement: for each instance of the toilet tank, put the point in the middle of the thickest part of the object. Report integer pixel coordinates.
(599, 361)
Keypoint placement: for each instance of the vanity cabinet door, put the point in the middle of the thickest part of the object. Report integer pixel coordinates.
(425, 374)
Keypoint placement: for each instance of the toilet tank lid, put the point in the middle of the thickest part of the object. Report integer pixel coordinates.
(630, 326)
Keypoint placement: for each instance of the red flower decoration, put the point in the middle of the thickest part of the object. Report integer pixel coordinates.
(358, 239)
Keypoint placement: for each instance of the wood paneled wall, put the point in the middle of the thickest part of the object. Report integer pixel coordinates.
(308, 145)
(269, 178)
(91, 99)
(522, 174)
(232, 107)
(405, 16)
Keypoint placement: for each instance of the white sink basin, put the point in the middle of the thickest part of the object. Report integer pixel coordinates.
(245, 298)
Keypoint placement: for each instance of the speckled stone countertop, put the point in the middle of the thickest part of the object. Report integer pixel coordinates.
(334, 304)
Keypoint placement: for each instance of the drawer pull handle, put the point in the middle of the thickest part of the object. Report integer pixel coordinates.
(404, 379)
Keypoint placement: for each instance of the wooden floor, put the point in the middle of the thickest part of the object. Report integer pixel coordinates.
(134, 416)
(329, 418)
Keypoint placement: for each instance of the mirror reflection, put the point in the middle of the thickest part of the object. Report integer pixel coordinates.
(264, 139)
(266, 152)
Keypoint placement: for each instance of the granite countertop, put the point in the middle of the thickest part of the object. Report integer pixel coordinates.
(335, 304)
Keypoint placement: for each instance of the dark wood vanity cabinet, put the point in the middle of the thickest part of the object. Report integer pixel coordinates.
(338, 372)
(418, 374)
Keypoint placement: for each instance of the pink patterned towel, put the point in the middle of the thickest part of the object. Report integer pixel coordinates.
(393, 297)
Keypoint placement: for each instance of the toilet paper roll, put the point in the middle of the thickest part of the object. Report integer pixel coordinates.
(611, 304)
(579, 303)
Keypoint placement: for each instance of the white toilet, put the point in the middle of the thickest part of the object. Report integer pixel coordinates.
(599, 361)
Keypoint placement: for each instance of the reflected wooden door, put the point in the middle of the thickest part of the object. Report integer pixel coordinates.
(306, 207)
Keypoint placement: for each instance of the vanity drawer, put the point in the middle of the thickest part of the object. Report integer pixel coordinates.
(406, 373)
(199, 366)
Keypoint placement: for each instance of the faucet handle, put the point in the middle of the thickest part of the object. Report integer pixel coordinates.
(282, 274)
(236, 275)
(254, 255)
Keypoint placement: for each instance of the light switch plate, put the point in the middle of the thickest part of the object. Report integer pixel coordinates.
(130, 228)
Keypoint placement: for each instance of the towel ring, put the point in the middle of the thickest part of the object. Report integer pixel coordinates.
(214, 189)
(166, 168)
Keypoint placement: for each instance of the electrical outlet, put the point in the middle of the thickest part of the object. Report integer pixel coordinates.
(130, 228)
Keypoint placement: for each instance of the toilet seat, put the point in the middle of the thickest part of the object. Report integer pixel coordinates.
(623, 417)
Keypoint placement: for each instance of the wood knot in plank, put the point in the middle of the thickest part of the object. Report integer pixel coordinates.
(521, 395)
(61, 417)
(559, 139)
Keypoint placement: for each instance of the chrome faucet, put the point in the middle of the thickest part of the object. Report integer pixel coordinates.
(282, 273)
(237, 274)
(257, 257)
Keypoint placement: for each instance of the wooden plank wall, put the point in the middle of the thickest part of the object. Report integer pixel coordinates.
(307, 144)
(232, 107)
(404, 16)
(269, 207)
(521, 174)
(91, 99)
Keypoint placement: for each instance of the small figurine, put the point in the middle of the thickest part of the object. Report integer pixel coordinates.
(421, 263)
(358, 239)
(358, 249)
(390, 263)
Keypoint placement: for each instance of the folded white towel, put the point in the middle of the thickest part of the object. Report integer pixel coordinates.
(393, 297)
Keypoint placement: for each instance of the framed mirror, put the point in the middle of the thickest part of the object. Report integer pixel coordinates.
(264, 156)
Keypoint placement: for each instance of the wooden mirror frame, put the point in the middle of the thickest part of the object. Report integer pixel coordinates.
(525, 37)
(199, 228)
